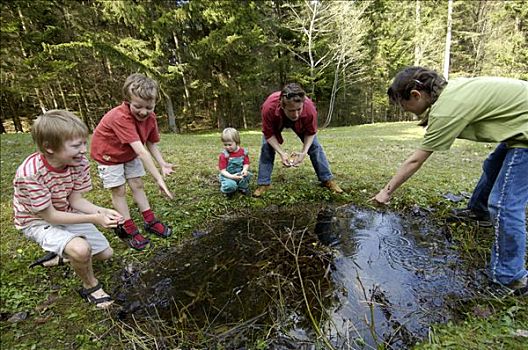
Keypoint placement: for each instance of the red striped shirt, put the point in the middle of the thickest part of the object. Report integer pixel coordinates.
(37, 185)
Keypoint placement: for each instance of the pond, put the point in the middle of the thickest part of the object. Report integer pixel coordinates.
(302, 278)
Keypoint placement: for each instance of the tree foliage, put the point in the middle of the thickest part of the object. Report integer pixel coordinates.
(217, 60)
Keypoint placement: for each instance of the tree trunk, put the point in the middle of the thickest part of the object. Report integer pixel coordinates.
(417, 28)
(25, 55)
(333, 94)
(188, 108)
(53, 99)
(447, 51)
(16, 120)
(63, 97)
(169, 107)
(242, 107)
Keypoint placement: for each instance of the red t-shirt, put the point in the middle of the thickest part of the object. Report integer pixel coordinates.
(222, 159)
(274, 119)
(115, 132)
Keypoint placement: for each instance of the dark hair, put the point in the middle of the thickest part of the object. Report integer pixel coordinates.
(416, 78)
(292, 92)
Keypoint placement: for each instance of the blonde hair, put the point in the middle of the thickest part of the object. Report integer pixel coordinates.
(140, 86)
(231, 135)
(56, 126)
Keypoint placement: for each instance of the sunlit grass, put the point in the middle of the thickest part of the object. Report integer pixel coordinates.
(363, 158)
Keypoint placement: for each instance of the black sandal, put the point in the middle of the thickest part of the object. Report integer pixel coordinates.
(134, 240)
(48, 257)
(166, 230)
(137, 241)
(86, 294)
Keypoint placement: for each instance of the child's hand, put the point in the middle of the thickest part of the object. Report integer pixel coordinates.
(105, 220)
(112, 215)
(166, 169)
(164, 189)
(244, 173)
(238, 176)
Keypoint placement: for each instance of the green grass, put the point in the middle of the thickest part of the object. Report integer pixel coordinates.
(363, 158)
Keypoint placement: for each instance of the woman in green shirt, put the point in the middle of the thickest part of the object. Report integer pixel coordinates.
(484, 109)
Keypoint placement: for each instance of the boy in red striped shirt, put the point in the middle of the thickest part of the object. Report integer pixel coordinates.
(48, 201)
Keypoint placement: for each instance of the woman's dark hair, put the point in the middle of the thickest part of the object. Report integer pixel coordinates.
(416, 78)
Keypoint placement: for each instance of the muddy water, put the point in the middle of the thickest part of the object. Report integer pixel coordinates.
(358, 278)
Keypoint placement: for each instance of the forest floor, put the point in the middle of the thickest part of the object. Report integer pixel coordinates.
(40, 308)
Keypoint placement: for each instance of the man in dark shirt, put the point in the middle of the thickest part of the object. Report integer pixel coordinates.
(290, 108)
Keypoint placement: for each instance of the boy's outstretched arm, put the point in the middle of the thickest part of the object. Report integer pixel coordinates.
(148, 163)
(166, 168)
(406, 170)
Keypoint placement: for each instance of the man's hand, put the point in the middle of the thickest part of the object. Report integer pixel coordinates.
(297, 158)
(285, 160)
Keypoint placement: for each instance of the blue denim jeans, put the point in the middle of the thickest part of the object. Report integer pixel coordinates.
(317, 157)
(503, 191)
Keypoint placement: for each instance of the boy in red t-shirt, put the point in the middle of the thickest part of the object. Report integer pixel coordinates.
(124, 144)
(49, 207)
(233, 164)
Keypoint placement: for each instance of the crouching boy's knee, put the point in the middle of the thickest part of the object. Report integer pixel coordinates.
(78, 249)
(105, 254)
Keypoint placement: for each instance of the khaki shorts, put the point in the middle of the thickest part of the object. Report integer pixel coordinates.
(53, 238)
(116, 175)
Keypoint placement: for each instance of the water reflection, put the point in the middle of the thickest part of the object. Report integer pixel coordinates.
(397, 276)
(367, 278)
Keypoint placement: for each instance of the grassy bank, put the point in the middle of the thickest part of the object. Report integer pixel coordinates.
(362, 158)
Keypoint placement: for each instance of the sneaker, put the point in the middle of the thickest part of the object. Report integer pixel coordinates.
(332, 186)
(466, 214)
(260, 190)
